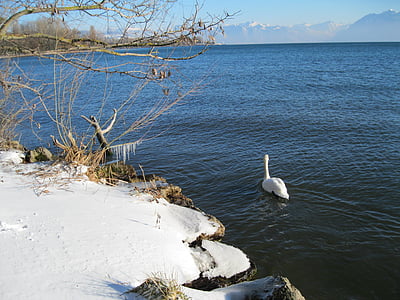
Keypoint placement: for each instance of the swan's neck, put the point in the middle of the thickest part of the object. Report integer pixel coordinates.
(266, 174)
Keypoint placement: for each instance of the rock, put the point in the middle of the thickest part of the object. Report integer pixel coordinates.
(267, 288)
(39, 154)
(281, 289)
(208, 284)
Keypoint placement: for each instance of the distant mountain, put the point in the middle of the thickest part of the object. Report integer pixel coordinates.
(255, 33)
(373, 27)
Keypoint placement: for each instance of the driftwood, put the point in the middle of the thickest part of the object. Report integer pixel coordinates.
(100, 132)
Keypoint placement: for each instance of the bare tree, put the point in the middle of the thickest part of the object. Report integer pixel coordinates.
(142, 33)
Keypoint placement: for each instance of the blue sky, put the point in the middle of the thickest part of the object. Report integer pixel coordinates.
(291, 12)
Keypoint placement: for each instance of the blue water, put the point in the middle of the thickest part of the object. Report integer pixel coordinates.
(329, 117)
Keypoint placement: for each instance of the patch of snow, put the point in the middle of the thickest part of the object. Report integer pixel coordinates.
(12, 227)
(12, 157)
(191, 223)
(237, 262)
(203, 259)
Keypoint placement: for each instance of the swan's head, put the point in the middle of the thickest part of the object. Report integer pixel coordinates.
(266, 157)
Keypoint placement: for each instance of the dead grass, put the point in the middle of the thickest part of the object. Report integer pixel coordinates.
(159, 287)
(57, 175)
(79, 154)
(113, 172)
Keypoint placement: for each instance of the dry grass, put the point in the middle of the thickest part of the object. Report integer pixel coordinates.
(72, 153)
(114, 172)
(159, 287)
(57, 175)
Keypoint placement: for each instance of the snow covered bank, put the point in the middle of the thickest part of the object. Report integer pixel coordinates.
(65, 237)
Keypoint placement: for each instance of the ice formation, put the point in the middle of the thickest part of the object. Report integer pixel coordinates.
(122, 151)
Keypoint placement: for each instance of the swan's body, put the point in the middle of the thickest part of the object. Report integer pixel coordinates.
(275, 186)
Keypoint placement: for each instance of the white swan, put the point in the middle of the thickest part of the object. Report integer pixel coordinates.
(275, 186)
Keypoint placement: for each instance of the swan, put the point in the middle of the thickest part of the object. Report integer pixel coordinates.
(273, 185)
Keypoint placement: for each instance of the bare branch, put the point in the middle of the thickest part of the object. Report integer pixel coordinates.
(49, 9)
(90, 121)
(114, 117)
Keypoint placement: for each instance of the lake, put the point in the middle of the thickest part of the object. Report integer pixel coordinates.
(328, 115)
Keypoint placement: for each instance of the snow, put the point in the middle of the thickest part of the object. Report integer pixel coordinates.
(225, 267)
(65, 237)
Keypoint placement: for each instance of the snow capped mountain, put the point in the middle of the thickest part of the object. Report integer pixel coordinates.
(383, 27)
(254, 33)
(373, 27)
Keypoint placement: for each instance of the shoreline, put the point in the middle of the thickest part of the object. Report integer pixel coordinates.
(119, 233)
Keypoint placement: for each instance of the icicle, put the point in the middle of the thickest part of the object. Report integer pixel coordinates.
(122, 151)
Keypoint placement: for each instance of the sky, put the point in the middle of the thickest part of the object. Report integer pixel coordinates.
(274, 12)
(292, 12)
